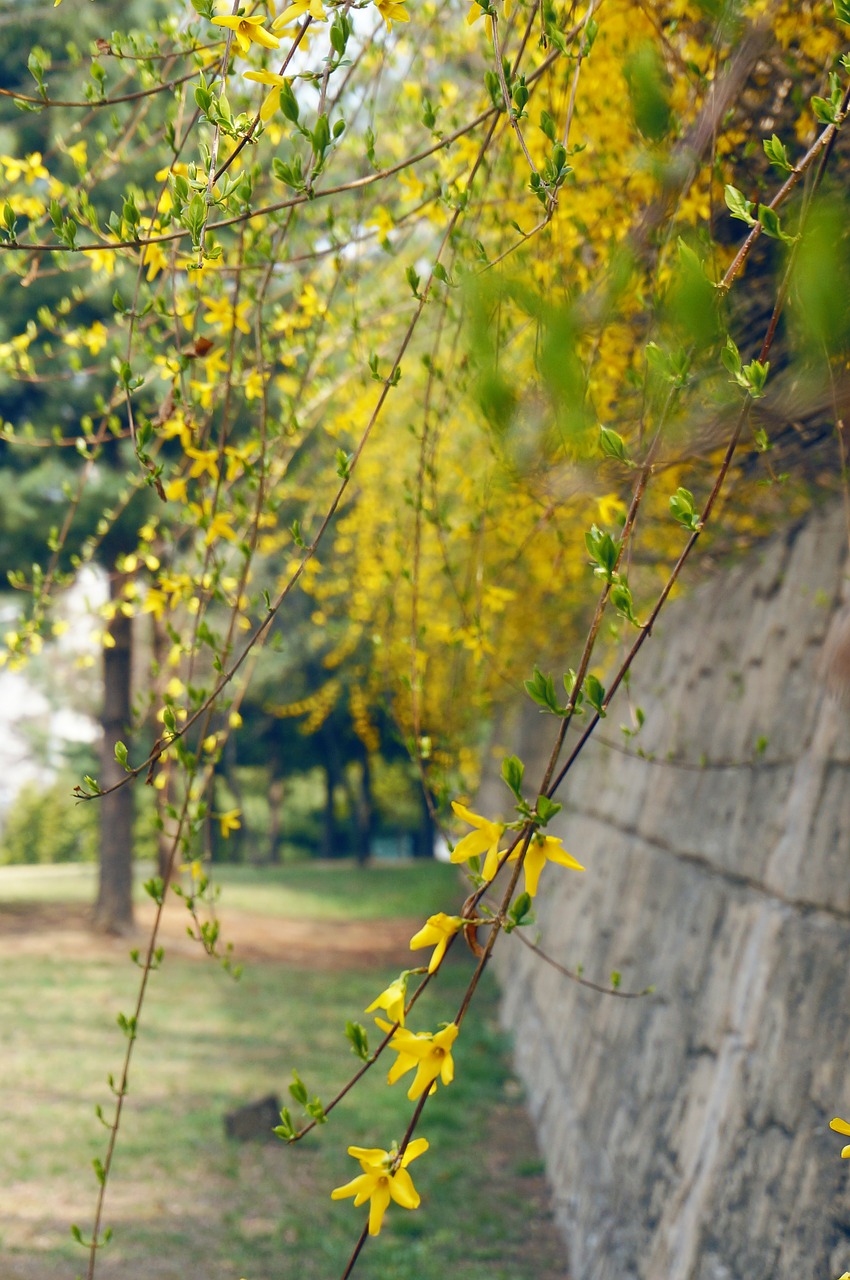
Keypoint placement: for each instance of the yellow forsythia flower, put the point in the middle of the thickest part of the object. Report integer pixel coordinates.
(229, 822)
(541, 850)
(393, 1000)
(392, 11)
(483, 840)
(430, 1055)
(384, 1178)
(248, 31)
(300, 9)
(436, 933)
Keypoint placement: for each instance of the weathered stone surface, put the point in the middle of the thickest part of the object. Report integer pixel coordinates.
(686, 1133)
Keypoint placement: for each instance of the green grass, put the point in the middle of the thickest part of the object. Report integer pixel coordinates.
(342, 891)
(313, 890)
(65, 882)
(185, 1201)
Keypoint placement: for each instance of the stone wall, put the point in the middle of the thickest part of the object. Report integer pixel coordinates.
(685, 1133)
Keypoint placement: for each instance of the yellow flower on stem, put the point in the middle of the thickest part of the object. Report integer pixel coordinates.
(229, 822)
(436, 933)
(30, 169)
(248, 31)
(543, 849)
(478, 11)
(483, 840)
(393, 1000)
(272, 101)
(841, 1126)
(384, 1178)
(392, 11)
(431, 1055)
(224, 314)
(300, 9)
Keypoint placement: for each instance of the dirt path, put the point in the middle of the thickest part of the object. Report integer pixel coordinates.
(65, 930)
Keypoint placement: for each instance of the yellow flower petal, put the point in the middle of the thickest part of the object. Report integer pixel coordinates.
(403, 1191)
(379, 1205)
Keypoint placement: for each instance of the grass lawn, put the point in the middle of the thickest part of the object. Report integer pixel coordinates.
(315, 890)
(187, 1202)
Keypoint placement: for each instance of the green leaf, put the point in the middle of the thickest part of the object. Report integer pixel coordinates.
(612, 444)
(195, 217)
(547, 124)
(286, 1129)
(824, 110)
(513, 770)
(359, 1043)
(298, 1089)
(739, 206)
(594, 691)
(570, 678)
(604, 551)
(546, 809)
(777, 153)
(621, 598)
(731, 357)
(519, 913)
(684, 508)
(155, 888)
(203, 98)
(769, 220)
(755, 376)
(541, 689)
(321, 136)
(316, 1111)
(842, 10)
(127, 1025)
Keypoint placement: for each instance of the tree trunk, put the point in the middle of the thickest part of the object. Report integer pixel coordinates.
(423, 845)
(276, 798)
(364, 812)
(164, 795)
(114, 907)
(330, 846)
